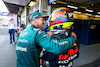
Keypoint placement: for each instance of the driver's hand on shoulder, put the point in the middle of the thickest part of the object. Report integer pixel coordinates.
(50, 33)
(74, 35)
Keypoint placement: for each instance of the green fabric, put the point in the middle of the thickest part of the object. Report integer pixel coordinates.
(29, 42)
(35, 15)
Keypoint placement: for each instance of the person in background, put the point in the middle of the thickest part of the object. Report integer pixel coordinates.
(11, 26)
(22, 27)
(31, 40)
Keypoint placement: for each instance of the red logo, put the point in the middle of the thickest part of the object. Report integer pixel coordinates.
(57, 21)
(70, 53)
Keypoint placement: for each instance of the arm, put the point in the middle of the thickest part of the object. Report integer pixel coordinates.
(53, 45)
(14, 24)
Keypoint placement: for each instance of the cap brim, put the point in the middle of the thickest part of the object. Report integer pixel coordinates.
(43, 16)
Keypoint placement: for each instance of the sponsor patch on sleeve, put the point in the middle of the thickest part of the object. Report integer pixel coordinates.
(36, 29)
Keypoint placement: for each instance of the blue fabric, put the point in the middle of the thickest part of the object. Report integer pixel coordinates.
(12, 35)
(23, 26)
(53, 58)
(53, 64)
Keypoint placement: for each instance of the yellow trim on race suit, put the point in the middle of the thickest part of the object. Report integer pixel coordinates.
(65, 25)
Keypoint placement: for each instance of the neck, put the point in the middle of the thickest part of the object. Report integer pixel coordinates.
(34, 24)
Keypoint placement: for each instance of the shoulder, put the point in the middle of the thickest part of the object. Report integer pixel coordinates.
(41, 32)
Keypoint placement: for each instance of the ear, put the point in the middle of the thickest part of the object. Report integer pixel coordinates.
(34, 19)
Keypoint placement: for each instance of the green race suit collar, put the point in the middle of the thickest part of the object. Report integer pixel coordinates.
(31, 25)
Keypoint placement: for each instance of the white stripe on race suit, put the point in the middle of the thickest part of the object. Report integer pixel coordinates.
(40, 32)
(46, 35)
(28, 25)
(23, 34)
(23, 40)
(60, 43)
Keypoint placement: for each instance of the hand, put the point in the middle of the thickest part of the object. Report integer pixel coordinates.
(50, 33)
(74, 35)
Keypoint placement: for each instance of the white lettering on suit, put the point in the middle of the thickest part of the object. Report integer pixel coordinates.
(21, 48)
(23, 34)
(22, 40)
(60, 43)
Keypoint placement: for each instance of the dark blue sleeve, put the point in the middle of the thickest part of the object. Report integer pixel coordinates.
(48, 56)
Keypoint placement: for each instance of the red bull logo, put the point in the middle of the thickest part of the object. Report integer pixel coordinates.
(57, 21)
(71, 52)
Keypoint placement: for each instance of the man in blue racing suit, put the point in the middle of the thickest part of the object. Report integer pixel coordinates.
(64, 59)
(31, 40)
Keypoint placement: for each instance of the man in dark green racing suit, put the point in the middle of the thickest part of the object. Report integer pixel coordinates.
(32, 39)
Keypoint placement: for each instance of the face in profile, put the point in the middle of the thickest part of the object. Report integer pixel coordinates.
(40, 22)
